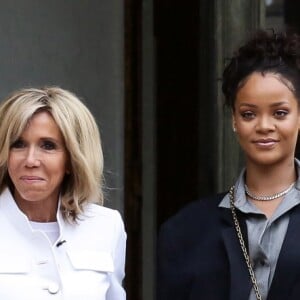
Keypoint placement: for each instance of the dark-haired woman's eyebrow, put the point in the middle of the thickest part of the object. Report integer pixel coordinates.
(279, 103)
(247, 105)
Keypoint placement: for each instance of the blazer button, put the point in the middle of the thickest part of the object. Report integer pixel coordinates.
(53, 288)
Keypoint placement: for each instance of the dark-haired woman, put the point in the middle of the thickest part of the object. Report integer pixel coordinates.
(245, 244)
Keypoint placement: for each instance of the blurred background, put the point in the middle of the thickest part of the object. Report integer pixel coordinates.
(150, 72)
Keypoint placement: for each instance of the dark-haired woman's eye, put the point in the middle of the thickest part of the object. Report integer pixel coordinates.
(280, 113)
(247, 115)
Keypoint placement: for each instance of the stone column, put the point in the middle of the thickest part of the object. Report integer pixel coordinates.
(235, 20)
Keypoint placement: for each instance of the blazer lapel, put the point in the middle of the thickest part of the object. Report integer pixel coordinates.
(288, 264)
(240, 283)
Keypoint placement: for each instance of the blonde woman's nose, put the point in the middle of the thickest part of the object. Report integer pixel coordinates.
(32, 157)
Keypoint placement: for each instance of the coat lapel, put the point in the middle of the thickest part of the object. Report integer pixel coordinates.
(288, 264)
(240, 283)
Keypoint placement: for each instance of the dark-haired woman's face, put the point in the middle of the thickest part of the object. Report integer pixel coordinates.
(267, 120)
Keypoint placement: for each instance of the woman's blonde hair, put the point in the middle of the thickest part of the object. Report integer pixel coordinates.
(81, 137)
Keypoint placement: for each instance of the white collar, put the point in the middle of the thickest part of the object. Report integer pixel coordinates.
(10, 209)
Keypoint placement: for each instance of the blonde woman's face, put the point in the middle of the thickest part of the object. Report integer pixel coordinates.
(37, 162)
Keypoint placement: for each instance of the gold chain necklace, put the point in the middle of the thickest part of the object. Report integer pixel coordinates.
(242, 244)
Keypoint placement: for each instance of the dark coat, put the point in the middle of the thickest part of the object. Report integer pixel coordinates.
(199, 256)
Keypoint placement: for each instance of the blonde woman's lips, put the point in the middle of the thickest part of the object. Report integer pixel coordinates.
(31, 179)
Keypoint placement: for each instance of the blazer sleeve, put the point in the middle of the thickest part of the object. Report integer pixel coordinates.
(116, 290)
(194, 227)
(169, 285)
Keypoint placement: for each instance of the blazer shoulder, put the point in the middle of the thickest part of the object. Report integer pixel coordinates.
(96, 210)
(196, 218)
(199, 223)
(197, 210)
(97, 225)
(99, 216)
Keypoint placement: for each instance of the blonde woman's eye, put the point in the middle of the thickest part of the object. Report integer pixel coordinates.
(48, 145)
(18, 144)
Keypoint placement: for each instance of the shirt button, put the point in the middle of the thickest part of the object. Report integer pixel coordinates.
(42, 262)
(53, 288)
(262, 262)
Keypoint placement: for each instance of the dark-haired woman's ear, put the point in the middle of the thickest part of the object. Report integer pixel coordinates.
(233, 124)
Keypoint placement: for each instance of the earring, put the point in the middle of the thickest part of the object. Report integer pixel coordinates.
(234, 129)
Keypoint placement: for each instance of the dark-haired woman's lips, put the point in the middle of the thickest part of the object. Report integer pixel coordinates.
(265, 143)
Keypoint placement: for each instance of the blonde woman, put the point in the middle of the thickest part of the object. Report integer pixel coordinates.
(57, 241)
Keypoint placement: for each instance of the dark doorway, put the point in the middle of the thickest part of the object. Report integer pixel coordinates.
(291, 14)
(133, 149)
(184, 104)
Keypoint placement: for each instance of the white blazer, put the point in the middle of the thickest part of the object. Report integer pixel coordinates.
(86, 262)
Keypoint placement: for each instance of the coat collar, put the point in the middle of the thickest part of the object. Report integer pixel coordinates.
(288, 264)
(17, 218)
(240, 283)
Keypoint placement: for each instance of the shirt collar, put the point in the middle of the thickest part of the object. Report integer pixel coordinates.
(291, 199)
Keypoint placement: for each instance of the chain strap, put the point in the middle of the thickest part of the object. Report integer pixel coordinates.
(242, 243)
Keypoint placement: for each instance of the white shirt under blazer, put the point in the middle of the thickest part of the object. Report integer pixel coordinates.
(87, 261)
